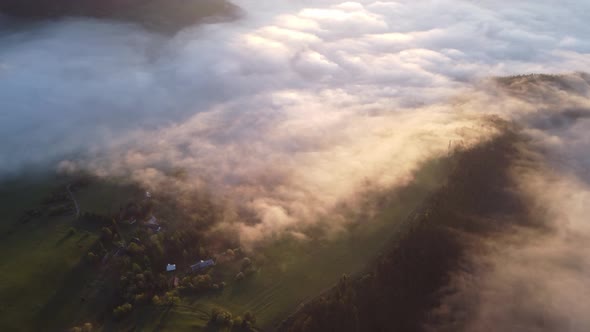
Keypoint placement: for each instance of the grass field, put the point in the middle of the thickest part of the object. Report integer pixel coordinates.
(106, 197)
(20, 194)
(40, 268)
(35, 256)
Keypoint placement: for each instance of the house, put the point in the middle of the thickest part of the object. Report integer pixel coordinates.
(153, 224)
(171, 267)
(202, 265)
(152, 221)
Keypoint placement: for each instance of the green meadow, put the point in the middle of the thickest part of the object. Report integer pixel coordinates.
(41, 258)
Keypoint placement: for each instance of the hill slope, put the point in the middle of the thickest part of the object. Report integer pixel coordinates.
(165, 15)
(404, 285)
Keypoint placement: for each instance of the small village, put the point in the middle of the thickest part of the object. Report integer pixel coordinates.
(152, 224)
(157, 264)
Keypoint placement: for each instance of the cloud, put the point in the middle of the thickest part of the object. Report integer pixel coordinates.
(291, 108)
(529, 279)
(293, 166)
(534, 277)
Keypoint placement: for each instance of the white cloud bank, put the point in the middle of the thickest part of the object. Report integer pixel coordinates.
(77, 84)
(534, 277)
(326, 94)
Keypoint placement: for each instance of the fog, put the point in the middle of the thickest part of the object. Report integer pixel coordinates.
(78, 85)
(300, 105)
(533, 275)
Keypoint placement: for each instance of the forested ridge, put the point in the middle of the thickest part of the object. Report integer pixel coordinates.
(168, 15)
(404, 284)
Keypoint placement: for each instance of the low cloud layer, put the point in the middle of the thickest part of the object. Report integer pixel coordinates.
(534, 274)
(293, 170)
(296, 103)
(74, 85)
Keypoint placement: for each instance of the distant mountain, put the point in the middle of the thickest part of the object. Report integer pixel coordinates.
(166, 15)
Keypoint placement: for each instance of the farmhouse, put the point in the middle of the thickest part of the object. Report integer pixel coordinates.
(202, 265)
(152, 221)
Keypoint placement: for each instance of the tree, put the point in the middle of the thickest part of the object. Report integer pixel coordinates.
(107, 234)
(214, 314)
(122, 310)
(249, 320)
(136, 268)
(246, 263)
(202, 252)
(91, 257)
(135, 249)
(171, 298)
(248, 316)
(202, 282)
(140, 298)
(226, 318)
(71, 231)
(220, 317)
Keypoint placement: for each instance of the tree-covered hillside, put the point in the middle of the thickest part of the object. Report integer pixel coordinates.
(168, 15)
